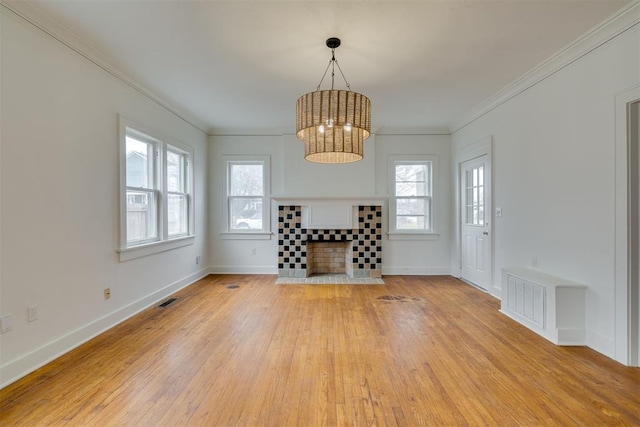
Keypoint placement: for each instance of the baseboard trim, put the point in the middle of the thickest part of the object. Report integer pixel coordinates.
(231, 269)
(601, 344)
(388, 271)
(416, 271)
(29, 362)
(496, 292)
(569, 337)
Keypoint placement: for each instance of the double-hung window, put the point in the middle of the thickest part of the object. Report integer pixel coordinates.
(411, 207)
(178, 196)
(156, 203)
(247, 191)
(142, 195)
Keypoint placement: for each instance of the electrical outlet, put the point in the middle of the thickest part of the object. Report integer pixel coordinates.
(33, 312)
(107, 293)
(5, 324)
(198, 260)
(253, 251)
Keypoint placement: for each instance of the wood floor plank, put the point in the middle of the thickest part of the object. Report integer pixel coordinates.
(420, 350)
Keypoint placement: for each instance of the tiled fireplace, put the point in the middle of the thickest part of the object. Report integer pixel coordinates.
(303, 251)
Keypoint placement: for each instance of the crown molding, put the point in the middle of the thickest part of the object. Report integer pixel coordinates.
(381, 131)
(389, 130)
(31, 14)
(265, 131)
(618, 23)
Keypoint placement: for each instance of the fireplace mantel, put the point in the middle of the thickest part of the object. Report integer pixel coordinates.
(329, 213)
(357, 221)
(353, 201)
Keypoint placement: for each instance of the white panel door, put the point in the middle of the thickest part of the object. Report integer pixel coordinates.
(475, 216)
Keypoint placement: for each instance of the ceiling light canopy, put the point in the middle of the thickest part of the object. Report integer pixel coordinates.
(333, 123)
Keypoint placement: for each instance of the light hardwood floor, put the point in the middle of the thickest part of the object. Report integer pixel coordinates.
(416, 351)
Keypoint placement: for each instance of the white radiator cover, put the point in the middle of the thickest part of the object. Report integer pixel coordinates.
(550, 306)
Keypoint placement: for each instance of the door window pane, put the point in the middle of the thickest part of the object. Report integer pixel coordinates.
(474, 192)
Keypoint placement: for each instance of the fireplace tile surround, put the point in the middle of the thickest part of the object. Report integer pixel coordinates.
(364, 249)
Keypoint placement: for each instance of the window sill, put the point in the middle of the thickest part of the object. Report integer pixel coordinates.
(246, 235)
(140, 251)
(397, 235)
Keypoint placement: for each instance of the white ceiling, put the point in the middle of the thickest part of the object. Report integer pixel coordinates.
(239, 66)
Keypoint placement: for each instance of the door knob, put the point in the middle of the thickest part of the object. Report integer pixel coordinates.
(486, 233)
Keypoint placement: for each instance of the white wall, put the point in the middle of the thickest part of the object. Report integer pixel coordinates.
(418, 256)
(554, 176)
(292, 176)
(232, 255)
(60, 216)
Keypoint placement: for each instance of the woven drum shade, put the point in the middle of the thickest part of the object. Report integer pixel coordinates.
(333, 125)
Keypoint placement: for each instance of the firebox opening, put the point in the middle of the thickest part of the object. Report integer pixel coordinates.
(330, 258)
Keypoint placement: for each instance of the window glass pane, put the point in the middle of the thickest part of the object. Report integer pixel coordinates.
(246, 180)
(412, 214)
(139, 163)
(411, 180)
(177, 214)
(410, 207)
(410, 223)
(175, 172)
(245, 213)
(141, 216)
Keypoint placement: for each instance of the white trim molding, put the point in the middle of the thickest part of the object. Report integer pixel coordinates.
(416, 271)
(233, 269)
(626, 332)
(615, 25)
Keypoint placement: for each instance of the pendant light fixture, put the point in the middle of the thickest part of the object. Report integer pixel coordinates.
(333, 124)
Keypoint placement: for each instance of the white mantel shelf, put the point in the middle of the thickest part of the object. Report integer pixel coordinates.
(306, 200)
(326, 213)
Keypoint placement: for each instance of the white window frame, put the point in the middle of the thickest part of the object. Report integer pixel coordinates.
(403, 234)
(162, 143)
(249, 234)
(186, 193)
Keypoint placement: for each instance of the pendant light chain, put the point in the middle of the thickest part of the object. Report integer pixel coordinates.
(342, 74)
(332, 63)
